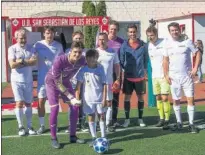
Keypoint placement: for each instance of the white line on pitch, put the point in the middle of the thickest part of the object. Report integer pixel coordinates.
(63, 133)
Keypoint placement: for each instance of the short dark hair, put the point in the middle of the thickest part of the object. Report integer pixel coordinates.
(113, 22)
(91, 53)
(103, 34)
(49, 28)
(134, 26)
(152, 29)
(76, 44)
(77, 32)
(173, 24)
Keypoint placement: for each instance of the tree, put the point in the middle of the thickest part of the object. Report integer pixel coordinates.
(100, 11)
(89, 10)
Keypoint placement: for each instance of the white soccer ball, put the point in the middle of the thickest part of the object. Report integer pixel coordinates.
(101, 145)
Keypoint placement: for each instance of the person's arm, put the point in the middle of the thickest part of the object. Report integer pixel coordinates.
(57, 74)
(195, 51)
(77, 91)
(117, 66)
(166, 68)
(122, 56)
(13, 62)
(16, 63)
(80, 81)
(104, 83)
(33, 60)
(104, 95)
(197, 62)
(146, 58)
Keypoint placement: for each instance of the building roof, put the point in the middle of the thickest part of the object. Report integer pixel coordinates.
(181, 17)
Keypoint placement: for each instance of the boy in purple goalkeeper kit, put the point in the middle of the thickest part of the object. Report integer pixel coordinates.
(58, 83)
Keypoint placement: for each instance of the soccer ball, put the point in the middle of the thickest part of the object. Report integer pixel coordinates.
(101, 145)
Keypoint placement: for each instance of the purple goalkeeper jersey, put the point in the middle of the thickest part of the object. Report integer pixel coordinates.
(115, 44)
(62, 71)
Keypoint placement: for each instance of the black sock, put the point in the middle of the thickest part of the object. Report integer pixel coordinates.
(140, 109)
(127, 109)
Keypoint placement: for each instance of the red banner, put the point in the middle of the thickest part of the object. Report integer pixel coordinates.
(59, 21)
(100, 21)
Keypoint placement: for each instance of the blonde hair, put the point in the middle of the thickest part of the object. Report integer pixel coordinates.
(19, 31)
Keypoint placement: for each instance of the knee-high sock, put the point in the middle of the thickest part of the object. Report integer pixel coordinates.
(73, 119)
(140, 109)
(92, 126)
(102, 128)
(177, 110)
(160, 109)
(127, 109)
(19, 116)
(53, 121)
(167, 110)
(115, 104)
(191, 110)
(108, 115)
(28, 113)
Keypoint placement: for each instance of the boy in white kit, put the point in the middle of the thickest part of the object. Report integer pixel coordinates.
(109, 59)
(93, 79)
(179, 73)
(47, 50)
(21, 59)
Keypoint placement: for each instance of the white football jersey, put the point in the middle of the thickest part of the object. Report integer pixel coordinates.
(180, 55)
(156, 51)
(107, 58)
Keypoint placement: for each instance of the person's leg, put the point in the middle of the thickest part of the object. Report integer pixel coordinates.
(165, 91)
(101, 112)
(109, 99)
(188, 87)
(17, 89)
(28, 95)
(115, 105)
(41, 107)
(160, 111)
(157, 92)
(176, 96)
(167, 111)
(92, 125)
(53, 98)
(127, 90)
(140, 89)
(200, 75)
(73, 125)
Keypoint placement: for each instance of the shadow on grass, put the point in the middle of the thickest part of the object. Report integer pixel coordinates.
(114, 151)
(153, 120)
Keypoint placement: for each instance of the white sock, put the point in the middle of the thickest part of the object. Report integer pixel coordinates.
(190, 110)
(41, 120)
(19, 116)
(102, 128)
(108, 115)
(28, 113)
(177, 110)
(92, 126)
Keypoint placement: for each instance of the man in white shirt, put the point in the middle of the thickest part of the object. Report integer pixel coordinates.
(179, 72)
(161, 87)
(47, 51)
(21, 59)
(108, 58)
